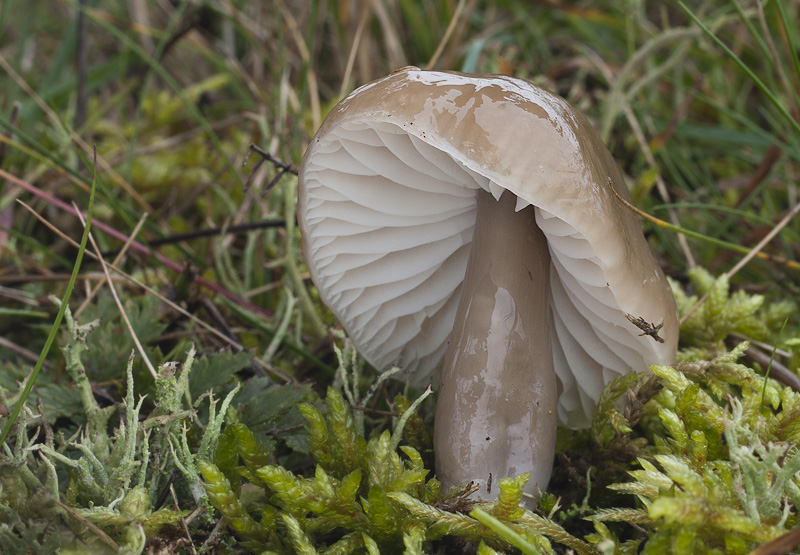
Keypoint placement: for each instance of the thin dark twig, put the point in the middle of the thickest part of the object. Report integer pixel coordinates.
(210, 232)
(266, 157)
(274, 182)
(252, 172)
(269, 158)
(777, 370)
(162, 496)
(189, 22)
(135, 245)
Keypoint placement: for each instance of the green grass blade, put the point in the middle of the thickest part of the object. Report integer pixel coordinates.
(12, 418)
(505, 532)
(744, 67)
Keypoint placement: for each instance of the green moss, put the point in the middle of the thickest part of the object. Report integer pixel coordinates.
(701, 455)
(697, 457)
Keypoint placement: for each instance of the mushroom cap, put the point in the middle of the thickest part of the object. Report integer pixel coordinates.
(386, 207)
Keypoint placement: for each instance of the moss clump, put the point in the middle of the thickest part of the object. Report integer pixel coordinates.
(699, 457)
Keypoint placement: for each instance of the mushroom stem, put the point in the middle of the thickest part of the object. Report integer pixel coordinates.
(496, 408)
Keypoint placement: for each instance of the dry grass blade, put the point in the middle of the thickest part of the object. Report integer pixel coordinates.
(793, 264)
(393, 43)
(749, 256)
(123, 314)
(89, 150)
(277, 372)
(51, 277)
(645, 148)
(781, 545)
(351, 58)
(120, 255)
(183, 521)
(140, 17)
(23, 352)
(768, 40)
(134, 244)
(447, 34)
(105, 538)
(311, 76)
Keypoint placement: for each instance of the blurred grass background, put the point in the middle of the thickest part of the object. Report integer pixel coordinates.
(173, 93)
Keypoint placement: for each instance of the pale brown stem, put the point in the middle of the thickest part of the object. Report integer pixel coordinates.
(496, 409)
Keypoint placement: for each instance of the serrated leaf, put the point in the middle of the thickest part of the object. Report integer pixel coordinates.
(217, 372)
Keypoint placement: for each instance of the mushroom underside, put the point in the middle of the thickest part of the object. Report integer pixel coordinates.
(394, 265)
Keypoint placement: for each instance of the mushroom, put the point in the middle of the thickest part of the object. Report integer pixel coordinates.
(473, 220)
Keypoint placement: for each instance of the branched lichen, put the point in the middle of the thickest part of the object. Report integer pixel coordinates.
(109, 481)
